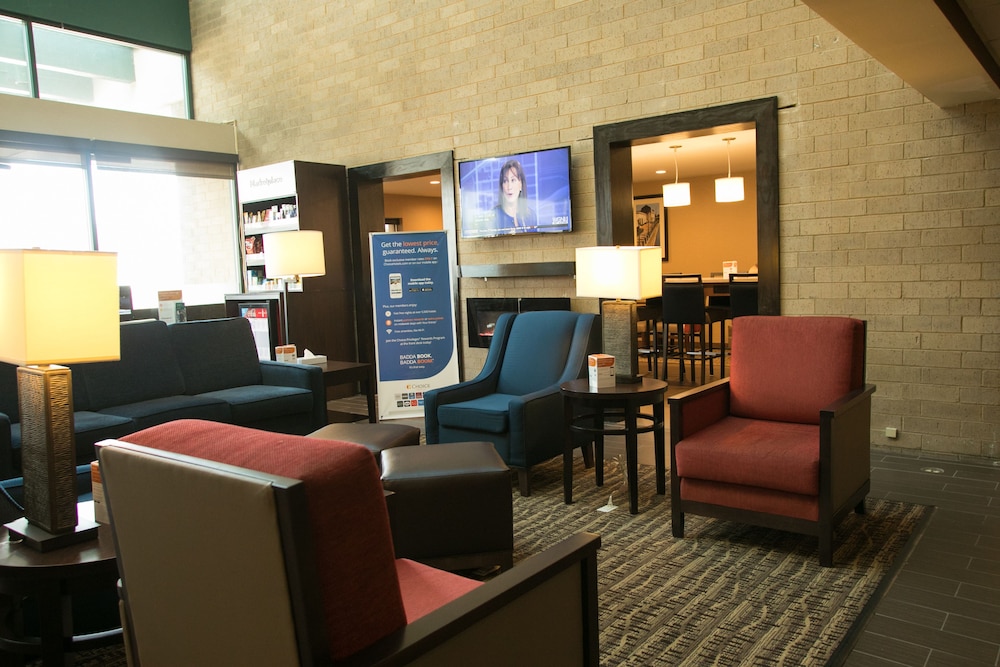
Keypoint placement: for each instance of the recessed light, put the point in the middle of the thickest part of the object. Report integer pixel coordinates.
(661, 171)
(933, 471)
(435, 182)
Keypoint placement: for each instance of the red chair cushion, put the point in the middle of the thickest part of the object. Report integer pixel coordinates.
(788, 368)
(753, 453)
(425, 588)
(766, 501)
(350, 525)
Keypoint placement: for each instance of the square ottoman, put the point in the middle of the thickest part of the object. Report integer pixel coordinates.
(450, 505)
(376, 437)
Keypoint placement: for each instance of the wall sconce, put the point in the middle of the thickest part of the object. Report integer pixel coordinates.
(730, 188)
(676, 194)
(620, 274)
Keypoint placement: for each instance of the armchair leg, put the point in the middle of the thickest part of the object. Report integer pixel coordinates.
(587, 449)
(826, 550)
(860, 507)
(677, 524)
(524, 481)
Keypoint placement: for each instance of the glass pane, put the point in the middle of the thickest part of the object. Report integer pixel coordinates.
(14, 72)
(172, 230)
(79, 68)
(44, 199)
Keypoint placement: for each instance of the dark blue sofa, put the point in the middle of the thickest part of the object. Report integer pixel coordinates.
(205, 369)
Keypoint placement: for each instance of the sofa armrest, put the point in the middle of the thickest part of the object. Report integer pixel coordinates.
(548, 600)
(693, 410)
(845, 445)
(302, 376)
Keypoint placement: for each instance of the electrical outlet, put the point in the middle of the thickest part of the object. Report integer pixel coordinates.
(891, 432)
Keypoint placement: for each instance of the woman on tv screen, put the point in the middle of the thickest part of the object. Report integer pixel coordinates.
(512, 208)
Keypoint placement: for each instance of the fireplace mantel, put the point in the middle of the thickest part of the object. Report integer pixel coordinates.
(517, 270)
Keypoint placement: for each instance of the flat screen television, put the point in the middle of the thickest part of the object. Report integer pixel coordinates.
(525, 193)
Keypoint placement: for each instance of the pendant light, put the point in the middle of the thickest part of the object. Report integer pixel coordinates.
(730, 188)
(676, 194)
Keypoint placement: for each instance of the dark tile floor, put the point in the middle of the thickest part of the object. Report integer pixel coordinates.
(943, 608)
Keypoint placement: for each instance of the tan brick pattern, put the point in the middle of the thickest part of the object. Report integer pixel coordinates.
(890, 206)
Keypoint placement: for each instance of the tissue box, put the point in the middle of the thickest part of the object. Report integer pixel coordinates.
(97, 488)
(602, 370)
(316, 359)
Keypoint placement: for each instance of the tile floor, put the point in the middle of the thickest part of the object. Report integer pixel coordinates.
(943, 607)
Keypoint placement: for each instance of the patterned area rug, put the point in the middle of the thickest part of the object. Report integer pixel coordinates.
(727, 594)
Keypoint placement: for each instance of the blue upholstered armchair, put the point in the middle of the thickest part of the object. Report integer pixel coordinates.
(515, 401)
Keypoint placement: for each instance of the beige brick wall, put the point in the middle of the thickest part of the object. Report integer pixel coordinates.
(889, 204)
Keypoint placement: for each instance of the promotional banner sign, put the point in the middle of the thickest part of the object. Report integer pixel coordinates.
(414, 320)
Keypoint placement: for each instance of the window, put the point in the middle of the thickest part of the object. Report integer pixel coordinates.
(171, 221)
(75, 67)
(15, 79)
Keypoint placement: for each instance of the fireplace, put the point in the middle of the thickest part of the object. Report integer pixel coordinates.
(483, 314)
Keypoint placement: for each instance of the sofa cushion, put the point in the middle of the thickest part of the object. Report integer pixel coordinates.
(257, 402)
(753, 453)
(215, 354)
(147, 369)
(160, 410)
(775, 376)
(358, 583)
(488, 414)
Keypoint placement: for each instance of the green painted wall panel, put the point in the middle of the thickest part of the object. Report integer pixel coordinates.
(164, 23)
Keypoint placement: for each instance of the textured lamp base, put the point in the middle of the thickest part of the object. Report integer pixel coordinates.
(48, 451)
(619, 329)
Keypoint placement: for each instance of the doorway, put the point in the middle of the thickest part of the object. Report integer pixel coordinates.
(367, 201)
(613, 177)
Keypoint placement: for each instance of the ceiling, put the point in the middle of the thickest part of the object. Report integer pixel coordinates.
(949, 50)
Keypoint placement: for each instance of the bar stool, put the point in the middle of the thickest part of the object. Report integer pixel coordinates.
(742, 294)
(684, 307)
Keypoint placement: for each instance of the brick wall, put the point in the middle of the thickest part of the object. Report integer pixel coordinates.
(890, 206)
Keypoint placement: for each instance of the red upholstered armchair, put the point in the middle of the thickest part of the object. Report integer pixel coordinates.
(245, 547)
(783, 442)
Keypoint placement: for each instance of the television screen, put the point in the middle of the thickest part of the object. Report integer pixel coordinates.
(516, 194)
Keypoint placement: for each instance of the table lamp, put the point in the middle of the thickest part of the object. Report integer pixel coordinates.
(291, 256)
(621, 273)
(59, 307)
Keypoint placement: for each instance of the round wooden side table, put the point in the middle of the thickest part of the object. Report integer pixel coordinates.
(622, 399)
(51, 579)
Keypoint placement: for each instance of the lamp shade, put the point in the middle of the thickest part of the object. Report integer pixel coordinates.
(677, 194)
(618, 272)
(58, 307)
(298, 253)
(729, 189)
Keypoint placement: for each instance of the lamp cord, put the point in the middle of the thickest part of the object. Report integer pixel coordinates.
(20, 508)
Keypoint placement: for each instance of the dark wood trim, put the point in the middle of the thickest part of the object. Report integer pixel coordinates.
(613, 173)
(368, 215)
